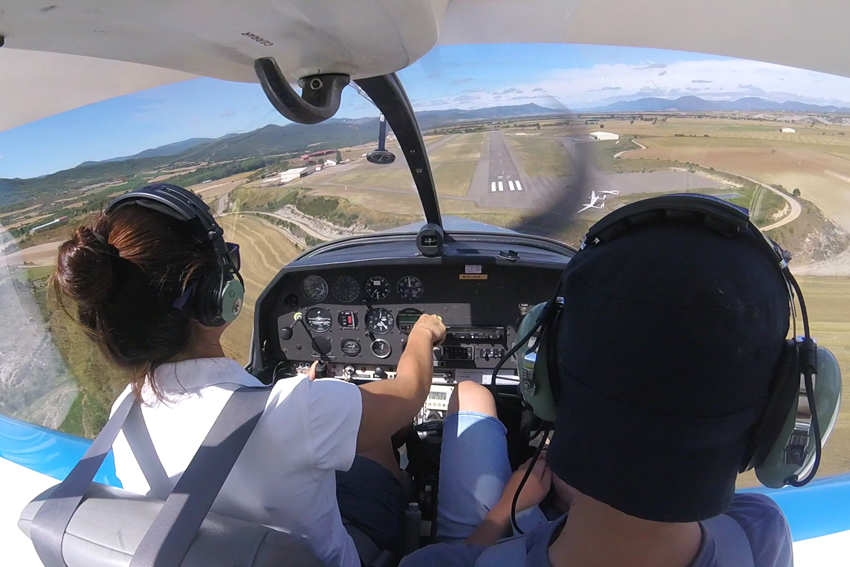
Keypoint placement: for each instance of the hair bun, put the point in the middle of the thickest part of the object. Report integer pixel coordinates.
(85, 268)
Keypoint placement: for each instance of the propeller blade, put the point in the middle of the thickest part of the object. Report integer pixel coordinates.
(556, 217)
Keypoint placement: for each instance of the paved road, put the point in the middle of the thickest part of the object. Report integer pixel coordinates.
(796, 207)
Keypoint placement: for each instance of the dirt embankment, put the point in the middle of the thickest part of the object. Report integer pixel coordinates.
(812, 239)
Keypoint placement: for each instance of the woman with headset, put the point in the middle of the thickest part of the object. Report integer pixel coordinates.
(155, 286)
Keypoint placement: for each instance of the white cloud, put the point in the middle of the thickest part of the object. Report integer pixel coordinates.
(733, 77)
(716, 79)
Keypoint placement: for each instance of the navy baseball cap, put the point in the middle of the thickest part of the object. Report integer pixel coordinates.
(666, 350)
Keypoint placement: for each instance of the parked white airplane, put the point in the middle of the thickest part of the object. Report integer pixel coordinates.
(614, 192)
(594, 198)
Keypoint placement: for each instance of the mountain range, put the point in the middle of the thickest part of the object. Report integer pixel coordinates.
(273, 140)
(697, 104)
(334, 133)
(270, 140)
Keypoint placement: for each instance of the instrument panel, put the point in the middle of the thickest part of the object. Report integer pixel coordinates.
(357, 318)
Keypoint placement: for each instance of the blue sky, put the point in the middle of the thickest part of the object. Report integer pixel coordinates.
(557, 76)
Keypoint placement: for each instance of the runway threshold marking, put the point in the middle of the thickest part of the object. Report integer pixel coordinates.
(501, 187)
(518, 186)
(511, 186)
(492, 186)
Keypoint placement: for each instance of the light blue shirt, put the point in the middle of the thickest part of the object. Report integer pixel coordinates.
(761, 519)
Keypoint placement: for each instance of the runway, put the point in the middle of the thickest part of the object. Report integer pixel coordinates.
(500, 180)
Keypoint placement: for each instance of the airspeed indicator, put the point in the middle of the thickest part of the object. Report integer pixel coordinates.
(315, 288)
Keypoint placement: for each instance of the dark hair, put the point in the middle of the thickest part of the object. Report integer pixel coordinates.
(124, 271)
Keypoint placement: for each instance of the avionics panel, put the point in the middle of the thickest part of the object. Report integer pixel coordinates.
(357, 317)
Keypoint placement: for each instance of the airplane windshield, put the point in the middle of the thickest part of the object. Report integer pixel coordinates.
(541, 139)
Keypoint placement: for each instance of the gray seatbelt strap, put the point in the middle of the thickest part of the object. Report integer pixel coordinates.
(141, 445)
(731, 545)
(177, 523)
(52, 519)
(175, 527)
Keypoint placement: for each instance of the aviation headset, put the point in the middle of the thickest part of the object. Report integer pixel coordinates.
(214, 300)
(785, 443)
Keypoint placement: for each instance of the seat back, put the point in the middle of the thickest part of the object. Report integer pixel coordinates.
(109, 524)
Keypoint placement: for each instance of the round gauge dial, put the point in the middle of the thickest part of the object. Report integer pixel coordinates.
(407, 318)
(319, 319)
(378, 288)
(345, 288)
(381, 348)
(410, 288)
(379, 321)
(350, 347)
(315, 288)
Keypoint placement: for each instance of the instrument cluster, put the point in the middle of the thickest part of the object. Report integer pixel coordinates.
(347, 289)
(356, 318)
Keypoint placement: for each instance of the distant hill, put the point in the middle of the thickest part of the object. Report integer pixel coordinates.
(434, 118)
(274, 139)
(162, 151)
(263, 142)
(697, 104)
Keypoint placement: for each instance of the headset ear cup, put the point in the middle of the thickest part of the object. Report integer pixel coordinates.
(533, 368)
(232, 297)
(206, 302)
(781, 402)
(779, 465)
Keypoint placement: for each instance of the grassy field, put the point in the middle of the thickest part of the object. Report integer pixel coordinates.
(453, 162)
(814, 160)
(368, 175)
(714, 127)
(543, 157)
(603, 156)
(265, 250)
(821, 176)
(458, 147)
(451, 177)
